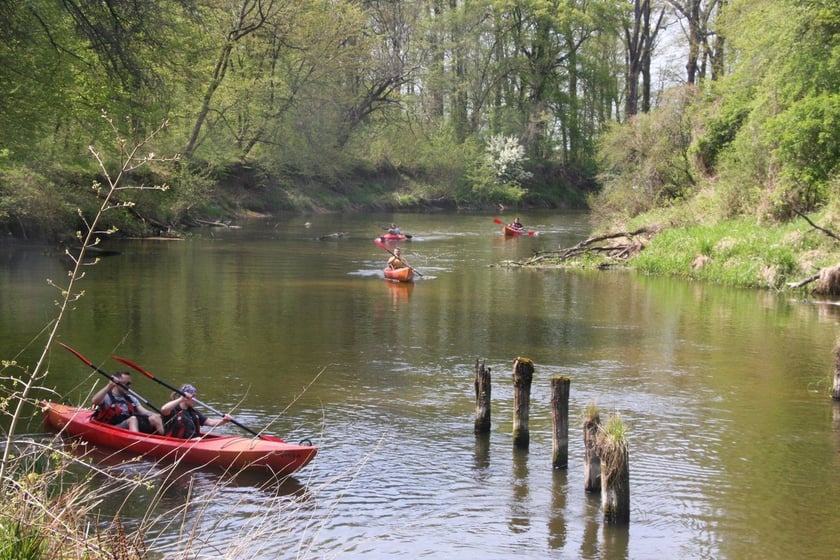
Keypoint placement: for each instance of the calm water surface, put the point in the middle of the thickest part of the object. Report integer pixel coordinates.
(734, 442)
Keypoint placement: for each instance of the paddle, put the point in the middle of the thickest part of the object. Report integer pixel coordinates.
(378, 242)
(500, 222)
(205, 405)
(110, 378)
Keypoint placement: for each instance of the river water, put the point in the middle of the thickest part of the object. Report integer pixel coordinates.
(734, 441)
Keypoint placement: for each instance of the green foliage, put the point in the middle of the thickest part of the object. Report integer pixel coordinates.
(645, 163)
(31, 204)
(18, 542)
(808, 147)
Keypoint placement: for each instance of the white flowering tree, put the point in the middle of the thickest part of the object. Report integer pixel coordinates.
(497, 176)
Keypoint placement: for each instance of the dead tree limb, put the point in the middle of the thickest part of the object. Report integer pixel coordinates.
(628, 245)
(815, 226)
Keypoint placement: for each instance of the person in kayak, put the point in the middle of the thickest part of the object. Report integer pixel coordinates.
(394, 230)
(517, 225)
(182, 420)
(116, 406)
(396, 261)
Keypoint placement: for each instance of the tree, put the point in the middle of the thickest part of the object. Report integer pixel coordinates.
(698, 16)
(639, 41)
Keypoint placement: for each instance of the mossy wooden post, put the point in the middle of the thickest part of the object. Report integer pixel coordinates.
(835, 391)
(482, 398)
(560, 419)
(591, 460)
(615, 473)
(523, 373)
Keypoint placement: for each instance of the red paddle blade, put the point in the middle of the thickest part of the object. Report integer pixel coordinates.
(497, 221)
(532, 233)
(131, 364)
(379, 243)
(85, 360)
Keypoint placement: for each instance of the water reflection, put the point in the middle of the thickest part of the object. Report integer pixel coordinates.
(557, 519)
(520, 508)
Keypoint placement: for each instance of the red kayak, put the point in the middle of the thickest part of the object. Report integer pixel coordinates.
(404, 274)
(511, 231)
(393, 237)
(265, 452)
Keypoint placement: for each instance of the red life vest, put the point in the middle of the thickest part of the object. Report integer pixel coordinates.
(115, 408)
(184, 424)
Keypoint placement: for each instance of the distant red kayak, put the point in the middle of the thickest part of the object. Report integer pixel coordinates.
(405, 274)
(266, 452)
(509, 231)
(394, 237)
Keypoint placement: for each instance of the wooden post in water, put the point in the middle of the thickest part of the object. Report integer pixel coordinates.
(560, 419)
(615, 473)
(835, 391)
(482, 398)
(591, 460)
(523, 373)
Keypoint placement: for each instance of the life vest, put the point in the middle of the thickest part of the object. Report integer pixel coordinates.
(184, 424)
(114, 409)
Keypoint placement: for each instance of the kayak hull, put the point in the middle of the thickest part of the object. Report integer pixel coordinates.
(229, 452)
(511, 232)
(393, 237)
(404, 274)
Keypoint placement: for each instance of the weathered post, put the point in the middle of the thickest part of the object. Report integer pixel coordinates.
(523, 373)
(560, 419)
(615, 473)
(835, 391)
(591, 461)
(482, 398)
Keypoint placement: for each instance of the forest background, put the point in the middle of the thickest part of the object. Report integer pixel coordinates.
(340, 105)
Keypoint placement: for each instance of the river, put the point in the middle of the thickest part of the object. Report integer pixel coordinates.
(734, 441)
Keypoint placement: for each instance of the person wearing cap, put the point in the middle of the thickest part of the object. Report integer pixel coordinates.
(182, 420)
(117, 407)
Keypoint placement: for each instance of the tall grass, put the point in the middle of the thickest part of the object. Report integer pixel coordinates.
(738, 253)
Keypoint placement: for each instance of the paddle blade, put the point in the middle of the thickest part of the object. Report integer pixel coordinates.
(532, 233)
(497, 221)
(380, 243)
(85, 360)
(131, 364)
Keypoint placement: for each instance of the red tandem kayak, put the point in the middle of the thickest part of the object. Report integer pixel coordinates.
(266, 452)
(404, 274)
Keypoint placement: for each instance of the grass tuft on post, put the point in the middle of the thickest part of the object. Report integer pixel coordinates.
(615, 471)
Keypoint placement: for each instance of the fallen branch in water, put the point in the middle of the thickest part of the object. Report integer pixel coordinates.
(621, 246)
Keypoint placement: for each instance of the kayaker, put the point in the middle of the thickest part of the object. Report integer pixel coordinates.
(116, 406)
(517, 225)
(394, 230)
(396, 261)
(182, 420)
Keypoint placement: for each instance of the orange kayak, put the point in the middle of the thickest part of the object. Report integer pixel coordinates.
(509, 231)
(404, 274)
(266, 452)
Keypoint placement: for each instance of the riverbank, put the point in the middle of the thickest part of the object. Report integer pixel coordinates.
(798, 255)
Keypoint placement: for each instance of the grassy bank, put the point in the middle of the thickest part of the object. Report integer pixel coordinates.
(740, 253)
